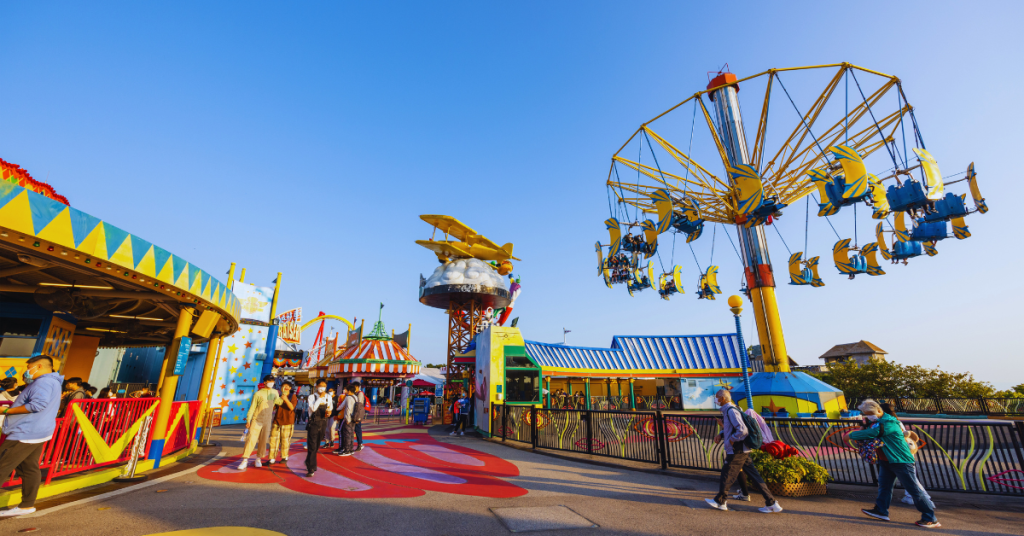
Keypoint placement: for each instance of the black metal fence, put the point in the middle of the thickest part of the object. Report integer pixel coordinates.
(968, 456)
(998, 407)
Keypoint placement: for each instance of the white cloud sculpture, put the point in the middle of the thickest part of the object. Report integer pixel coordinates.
(467, 272)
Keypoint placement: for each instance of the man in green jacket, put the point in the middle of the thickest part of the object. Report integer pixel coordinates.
(898, 463)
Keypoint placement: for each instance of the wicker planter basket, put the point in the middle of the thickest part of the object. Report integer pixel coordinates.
(801, 489)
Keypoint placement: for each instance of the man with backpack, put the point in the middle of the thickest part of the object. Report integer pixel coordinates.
(741, 434)
(358, 414)
(345, 415)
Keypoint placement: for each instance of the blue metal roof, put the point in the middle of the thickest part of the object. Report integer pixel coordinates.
(634, 352)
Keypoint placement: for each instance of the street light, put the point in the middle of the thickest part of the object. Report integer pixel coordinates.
(736, 306)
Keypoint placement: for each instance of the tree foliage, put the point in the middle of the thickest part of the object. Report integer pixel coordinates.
(881, 378)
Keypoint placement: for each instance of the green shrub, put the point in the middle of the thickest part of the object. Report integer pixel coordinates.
(790, 470)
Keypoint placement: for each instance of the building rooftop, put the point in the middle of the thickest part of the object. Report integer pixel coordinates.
(853, 348)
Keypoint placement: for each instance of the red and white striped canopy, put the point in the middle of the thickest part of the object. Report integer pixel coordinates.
(375, 358)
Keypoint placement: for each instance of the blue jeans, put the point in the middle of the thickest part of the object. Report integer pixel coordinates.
(887, 475)
(359, 433)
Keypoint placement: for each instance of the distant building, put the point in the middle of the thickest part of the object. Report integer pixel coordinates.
(861, 352)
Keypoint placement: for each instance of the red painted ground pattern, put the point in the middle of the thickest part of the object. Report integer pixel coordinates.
(389, 466)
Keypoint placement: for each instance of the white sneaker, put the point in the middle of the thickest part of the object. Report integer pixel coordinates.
(773, 509)
(453, 433)
(258, 464)
(907, 499)
(284, 459)
(740, 497)
(462, 433)
(714, 504)
(16, 511)
(271, 462)
(243, 465)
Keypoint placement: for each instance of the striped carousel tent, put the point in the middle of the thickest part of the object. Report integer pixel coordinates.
(375, 358)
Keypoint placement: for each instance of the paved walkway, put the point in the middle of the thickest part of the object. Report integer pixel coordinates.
(407, 481)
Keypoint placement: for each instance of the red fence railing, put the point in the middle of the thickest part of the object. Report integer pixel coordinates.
(181, 437)
(68, 452)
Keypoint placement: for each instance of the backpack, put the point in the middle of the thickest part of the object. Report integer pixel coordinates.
(753, 439)
(358, 411)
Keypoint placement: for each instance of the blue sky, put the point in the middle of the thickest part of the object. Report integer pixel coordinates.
(308, 139)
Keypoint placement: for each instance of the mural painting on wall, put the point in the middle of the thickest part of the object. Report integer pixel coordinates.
(699, 393)
(238, 371)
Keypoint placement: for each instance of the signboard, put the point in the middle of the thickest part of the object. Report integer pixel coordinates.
(181, 360)
(255, 301)
(290, 322)
(238, 372)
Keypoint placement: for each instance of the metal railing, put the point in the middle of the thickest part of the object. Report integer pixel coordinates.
(999, 407)
(968, 456)
(68, 452)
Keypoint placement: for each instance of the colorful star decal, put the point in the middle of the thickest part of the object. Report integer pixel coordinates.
(223, 386)
(231, 391)
(250, 330)
(232, 349)
(247, 365)
(233, 370)
(224, 404)
(248, 345)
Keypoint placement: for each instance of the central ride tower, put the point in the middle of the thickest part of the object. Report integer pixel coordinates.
(757, 264)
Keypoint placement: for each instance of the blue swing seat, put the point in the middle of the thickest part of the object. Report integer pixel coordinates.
(909, 196)
(947, 208)
(926, 232)
(906, 250)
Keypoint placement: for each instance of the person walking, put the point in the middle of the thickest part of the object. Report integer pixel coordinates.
(283, 424)
(895, 461)
(460, 410)
(737, 457)
(320, 407)
(345, 415)
(30, 423)
(73, 390)
(258, 422)
(912, 444)
(358, 414)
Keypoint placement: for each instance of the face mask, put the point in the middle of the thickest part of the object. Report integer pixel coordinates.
(321, 389)
(872, 418)
(28, 376)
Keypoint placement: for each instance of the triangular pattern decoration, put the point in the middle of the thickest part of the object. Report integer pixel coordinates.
(139, 249)
(44, 210)
(17, 214)
(82, 225)
(59, 230)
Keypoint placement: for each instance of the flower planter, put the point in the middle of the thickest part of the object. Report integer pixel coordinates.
(801, 489)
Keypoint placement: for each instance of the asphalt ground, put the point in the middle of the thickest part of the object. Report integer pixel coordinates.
(616, 499)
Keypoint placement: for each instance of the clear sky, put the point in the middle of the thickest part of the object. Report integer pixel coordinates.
(307, 140)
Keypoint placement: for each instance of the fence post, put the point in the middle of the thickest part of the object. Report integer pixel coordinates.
(504, 422)
(659, 422)
(589, 416)
(984, 405)
(938, 405)
(533, 426)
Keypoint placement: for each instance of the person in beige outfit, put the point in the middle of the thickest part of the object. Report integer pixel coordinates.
(284, 424)
(258, 422)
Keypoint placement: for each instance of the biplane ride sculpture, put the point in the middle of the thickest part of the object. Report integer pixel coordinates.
(856, 143)
(474, 283)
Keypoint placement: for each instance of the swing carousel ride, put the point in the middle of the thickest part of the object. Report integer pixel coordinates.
(821, 151)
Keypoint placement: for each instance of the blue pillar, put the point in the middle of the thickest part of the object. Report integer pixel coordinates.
(268, 362)
(746, 364)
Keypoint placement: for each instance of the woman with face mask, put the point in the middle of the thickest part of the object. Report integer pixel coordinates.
(258, 422)
(320, 406)
(895, 461)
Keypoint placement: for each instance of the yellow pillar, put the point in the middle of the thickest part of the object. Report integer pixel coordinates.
(212, 356)
(769, 329)
(168, 384)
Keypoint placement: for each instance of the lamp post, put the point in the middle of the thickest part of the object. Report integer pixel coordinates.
(736, 306)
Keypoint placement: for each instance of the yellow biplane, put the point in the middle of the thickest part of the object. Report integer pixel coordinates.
(467, 244)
